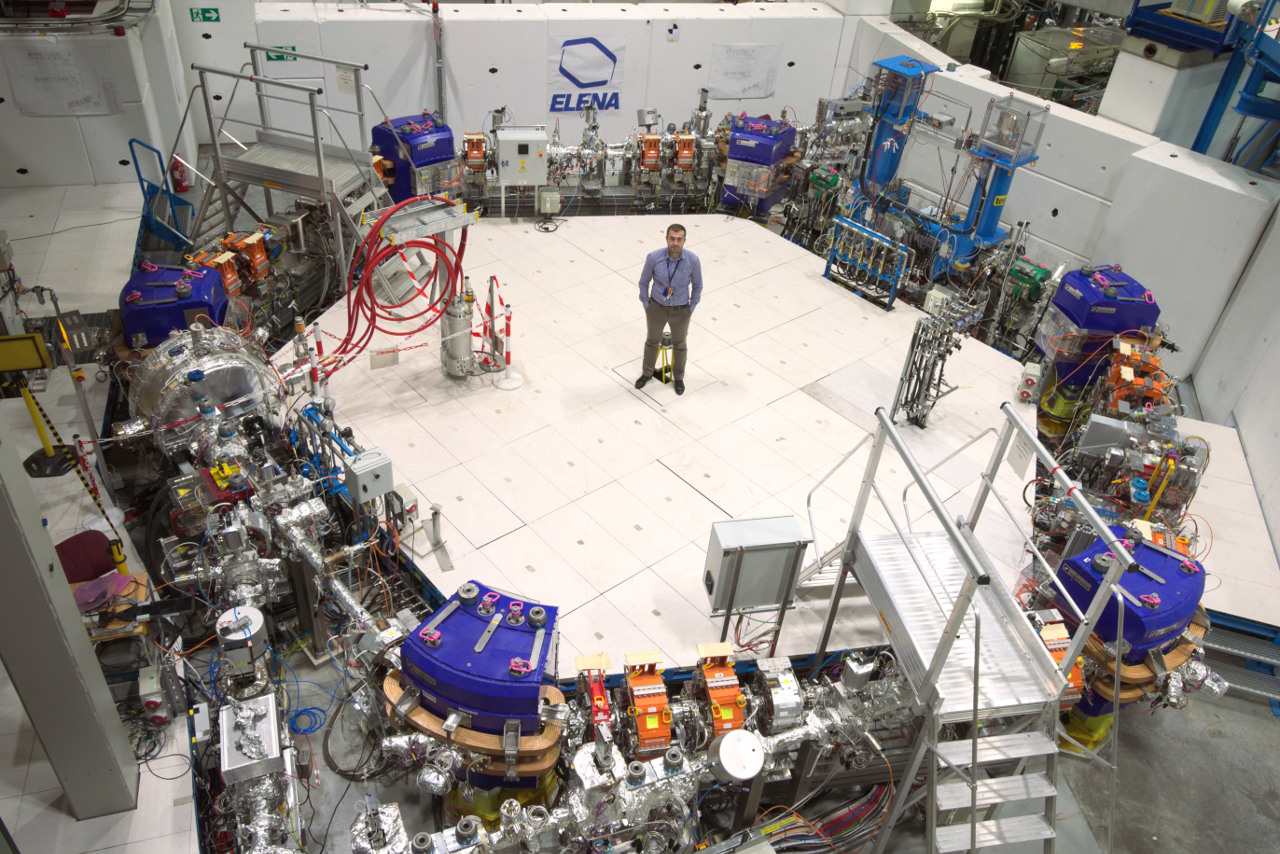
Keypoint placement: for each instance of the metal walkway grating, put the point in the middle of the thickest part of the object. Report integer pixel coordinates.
(1016, 673)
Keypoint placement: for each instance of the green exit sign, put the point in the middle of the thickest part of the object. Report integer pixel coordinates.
(205, 15)
(283, 57)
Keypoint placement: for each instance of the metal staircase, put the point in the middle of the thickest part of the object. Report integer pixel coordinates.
(294, 163)
(985, 684)
(1257, 659)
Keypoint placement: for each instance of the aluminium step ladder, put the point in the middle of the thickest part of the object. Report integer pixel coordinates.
(970, 657)
(914, 583)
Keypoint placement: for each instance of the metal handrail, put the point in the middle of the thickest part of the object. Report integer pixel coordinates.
(258, 51)
(364, 66)
(975, 574)
(374, 184)
(820, 560)
(948, 458)
(1035, 550)
(251, 78)
(1124, 559)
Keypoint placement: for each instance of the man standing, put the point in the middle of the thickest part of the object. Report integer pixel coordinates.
(670, 288)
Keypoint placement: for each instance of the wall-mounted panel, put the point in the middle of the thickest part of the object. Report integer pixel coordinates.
(680, 61)
(399, 49)
(489, 53)
(810, 35)
(1185, 226)
(219, 44)
(296, 27)
(583, 38)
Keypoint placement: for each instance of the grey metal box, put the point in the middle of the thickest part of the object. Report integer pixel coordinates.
(236, 765)
(772, 546)
(522, 155)
(369, 475)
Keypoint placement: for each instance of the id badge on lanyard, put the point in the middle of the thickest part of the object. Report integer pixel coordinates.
(666, 294)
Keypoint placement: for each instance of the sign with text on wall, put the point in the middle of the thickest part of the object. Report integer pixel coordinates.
(54, 76)
(744, 70)
(586, 71)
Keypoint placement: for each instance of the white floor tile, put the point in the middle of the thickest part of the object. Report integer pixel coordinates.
(535, 570)
(585, 545)
(455, 427)
(160, 845)
(15, 759)
(13, 717)
(45, 824)
(670, 621)
(715, 479)
(606, 445)
(600, 627)
(9, 809)
(759, 461)
(786, 371)
(631, 522)
(517, 484)
(468, 505)
(673, 499)
(40, 774)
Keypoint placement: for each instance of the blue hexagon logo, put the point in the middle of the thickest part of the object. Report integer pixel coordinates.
(587, 63)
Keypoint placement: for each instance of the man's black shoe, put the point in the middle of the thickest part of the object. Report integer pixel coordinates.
(679, 386)
(640, 382)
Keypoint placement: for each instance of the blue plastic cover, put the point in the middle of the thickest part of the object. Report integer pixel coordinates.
(452, 676)
(1083, 299)
(1145, 628)
(761, 141)
(426, 141)
(156, 309)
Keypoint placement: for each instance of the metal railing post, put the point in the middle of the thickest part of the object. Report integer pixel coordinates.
(364, 128)
(997, 454)
(850, 540)
(255, 59)
(219, 176)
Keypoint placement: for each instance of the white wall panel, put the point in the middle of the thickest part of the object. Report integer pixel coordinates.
(1086, 151)
(862, 7)
(880, 38)
(166, 90)
(507, 39)
(50, 151)
(1257, 417)
(398, 47)
(1058, 213)
(1077, 149)
(810, 35)
(108, 146)
(1244, 333)
(1185, 226)
(217, 44)
(634, 25)
(678, 69)
(295, 27)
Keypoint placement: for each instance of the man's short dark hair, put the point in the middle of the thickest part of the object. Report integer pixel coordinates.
(675, 226)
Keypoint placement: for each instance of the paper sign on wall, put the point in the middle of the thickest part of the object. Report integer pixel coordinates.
(744, 70)
(51, 78)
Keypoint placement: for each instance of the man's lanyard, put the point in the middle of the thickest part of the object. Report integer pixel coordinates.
(671, 288)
